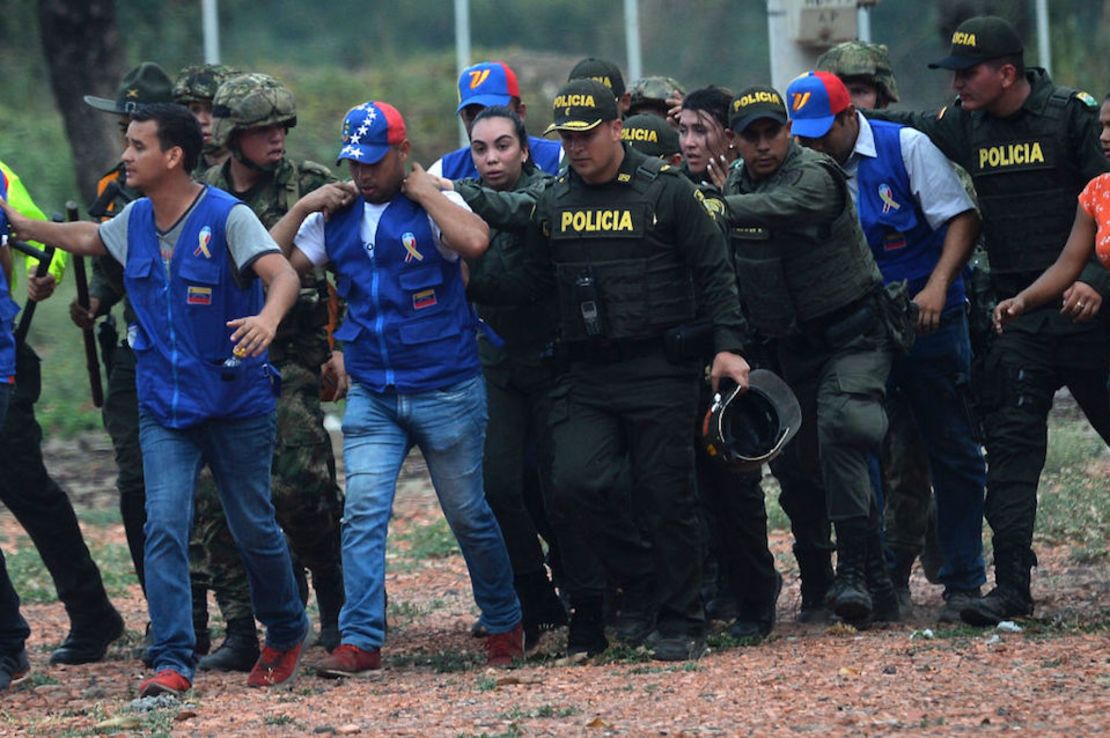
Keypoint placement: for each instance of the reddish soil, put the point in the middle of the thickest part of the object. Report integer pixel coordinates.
(1051, 679)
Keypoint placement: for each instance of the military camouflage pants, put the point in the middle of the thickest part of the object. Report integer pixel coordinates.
(908, 503)
(305, 494)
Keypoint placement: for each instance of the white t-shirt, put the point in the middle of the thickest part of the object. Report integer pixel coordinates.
(247, 238)
(310, 236)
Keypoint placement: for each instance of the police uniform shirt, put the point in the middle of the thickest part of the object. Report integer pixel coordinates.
(935, 186)
(310, 236)
(247, 238)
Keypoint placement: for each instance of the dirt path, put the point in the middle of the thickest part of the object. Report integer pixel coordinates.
(1051, 679)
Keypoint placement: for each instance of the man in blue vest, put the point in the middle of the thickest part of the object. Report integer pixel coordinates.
(480, 86)
(206, 392)
(921, 226)
(411, 350)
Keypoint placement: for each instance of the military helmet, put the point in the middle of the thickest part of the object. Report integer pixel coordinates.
(250, 101)
(861, 59)
(743, 430)
(199, 82)
(653, 92)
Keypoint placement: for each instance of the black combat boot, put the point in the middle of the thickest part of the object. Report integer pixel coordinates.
(541, 609)
(238, 652)
(816, 572)
(636, 617)
(886, 605)
(200, 621)
(329, 601)
(901, 564)
(1011, 597)
(848, 598)
(586, 634)
(88, 640)
(756, 623)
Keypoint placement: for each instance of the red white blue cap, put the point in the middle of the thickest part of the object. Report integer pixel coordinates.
(369, 130)
(813, 101)
(487, 83)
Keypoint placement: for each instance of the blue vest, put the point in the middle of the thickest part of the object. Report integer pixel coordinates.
(185, 371)
(904, 245)
(459, 164)
(8, 308)
(409, 327)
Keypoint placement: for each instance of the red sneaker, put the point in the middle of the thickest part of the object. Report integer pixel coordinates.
(167, 681)
(349, 661)
(502, 649)
(276, 668)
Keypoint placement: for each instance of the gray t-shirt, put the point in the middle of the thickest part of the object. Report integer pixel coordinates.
(247, 238)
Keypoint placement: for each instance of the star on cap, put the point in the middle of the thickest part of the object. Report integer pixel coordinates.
(352, 150)
(133, 92)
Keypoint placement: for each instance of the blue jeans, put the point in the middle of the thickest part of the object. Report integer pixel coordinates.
(449, 427)
(238, 452)
(934, 377)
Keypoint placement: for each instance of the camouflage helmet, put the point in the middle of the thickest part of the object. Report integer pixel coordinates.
(250, 101)
(860, 59)
(653, 92)
(199, 82)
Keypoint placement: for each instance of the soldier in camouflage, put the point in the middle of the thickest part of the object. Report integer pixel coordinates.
(194, 88)
(251, 114)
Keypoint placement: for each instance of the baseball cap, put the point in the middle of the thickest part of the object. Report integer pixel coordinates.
(369, 130)
(815, 98)
(978, 40)
(650, 134)
(487, 83)
(582, 104)
(145, 84)
(605, 72)
(754, 103)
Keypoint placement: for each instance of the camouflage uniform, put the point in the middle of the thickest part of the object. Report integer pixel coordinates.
(306, 495)
(858, 59)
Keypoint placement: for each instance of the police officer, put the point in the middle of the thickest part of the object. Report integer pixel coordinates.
(921, 226)
(652, 135)
(608, 74)
(1030, 147)
(251, 115)
(909, 512)
(809, 282)
(631, 249)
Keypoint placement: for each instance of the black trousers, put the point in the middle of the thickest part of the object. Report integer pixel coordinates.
(42, 507)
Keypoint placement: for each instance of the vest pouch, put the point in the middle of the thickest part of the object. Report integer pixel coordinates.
(421, 283)
(426, 329)
(900, 315)
(624, 303)
(767, 295)
(1025, 232)
(203, 305)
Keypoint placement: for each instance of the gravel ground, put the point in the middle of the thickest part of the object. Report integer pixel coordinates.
(1052, 678)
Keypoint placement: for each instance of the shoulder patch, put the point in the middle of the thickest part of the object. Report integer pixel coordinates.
(624, 177)
(1086, 98)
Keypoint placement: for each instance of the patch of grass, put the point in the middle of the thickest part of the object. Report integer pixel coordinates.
(776, 518)
(513, 731)
(432, 541)
(543, 711)
(98, 516)
(621, 654)
(34, 585)
(1072, 505)
(279, 720)
(486, 683)
(402, 613)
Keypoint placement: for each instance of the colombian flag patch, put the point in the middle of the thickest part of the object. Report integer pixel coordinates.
(423, 299)
(199, 295)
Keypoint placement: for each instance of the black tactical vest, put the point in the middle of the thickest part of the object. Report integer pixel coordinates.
(625, 249)
(1027, 184)
(791, 275)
